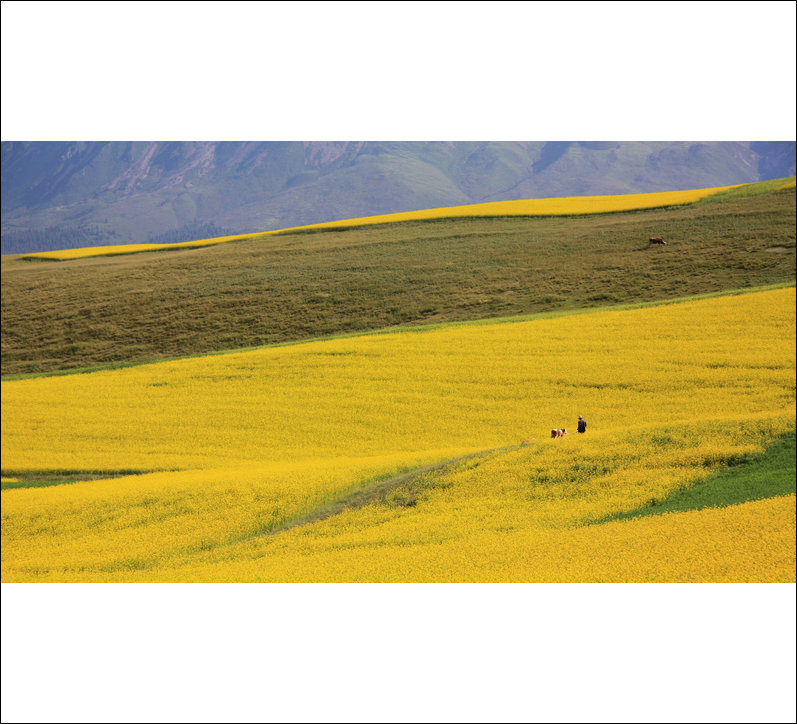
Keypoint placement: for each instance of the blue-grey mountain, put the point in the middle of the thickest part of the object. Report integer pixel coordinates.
(61, 195)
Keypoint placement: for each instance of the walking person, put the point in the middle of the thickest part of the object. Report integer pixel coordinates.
(582, 424)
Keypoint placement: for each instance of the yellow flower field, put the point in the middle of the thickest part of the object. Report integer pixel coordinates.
(565, 206)
(751, 542)
(247, 443)
(115, 249)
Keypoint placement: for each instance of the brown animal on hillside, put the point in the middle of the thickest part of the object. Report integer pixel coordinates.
(558, 432)
(656, 240)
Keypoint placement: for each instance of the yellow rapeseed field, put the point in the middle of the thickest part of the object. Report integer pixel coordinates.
(116, 249)
(565, 206)
(242, 445)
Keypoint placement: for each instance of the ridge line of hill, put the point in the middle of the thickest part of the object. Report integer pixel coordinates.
(78, 194)
(443, 213)
(283, 289)
(719, 192)
(412, 329)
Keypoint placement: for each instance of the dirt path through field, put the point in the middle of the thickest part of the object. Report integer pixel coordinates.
(379, 492)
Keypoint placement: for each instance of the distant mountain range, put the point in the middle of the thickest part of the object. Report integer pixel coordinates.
(61, 195)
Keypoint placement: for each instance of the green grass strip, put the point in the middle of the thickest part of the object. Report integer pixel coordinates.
(49, 478)
(16, 484)
(753, 477)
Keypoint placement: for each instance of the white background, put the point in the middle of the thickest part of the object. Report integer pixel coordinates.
(398, 71)
(313, 71)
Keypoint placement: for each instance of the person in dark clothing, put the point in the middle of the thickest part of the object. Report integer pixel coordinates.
(582, 424)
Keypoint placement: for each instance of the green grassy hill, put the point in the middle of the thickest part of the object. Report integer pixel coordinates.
(294, 286)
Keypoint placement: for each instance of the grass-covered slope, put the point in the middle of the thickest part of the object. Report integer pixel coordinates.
(574, 205)
(300, 285)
